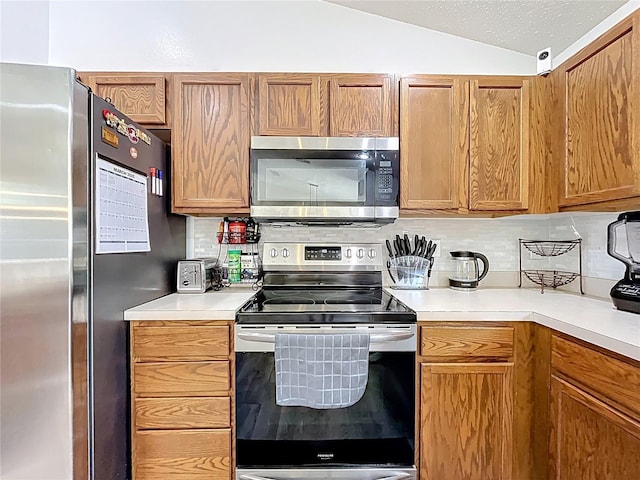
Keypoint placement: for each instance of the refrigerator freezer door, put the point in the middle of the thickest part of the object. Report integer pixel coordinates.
(43, 303)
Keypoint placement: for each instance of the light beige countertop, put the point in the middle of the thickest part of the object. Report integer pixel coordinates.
(220, 305)
(593, 320)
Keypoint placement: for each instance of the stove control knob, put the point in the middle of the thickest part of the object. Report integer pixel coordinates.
(273, 252)
(348, 253)
(372, 253)
(360, 253)
(285, 252)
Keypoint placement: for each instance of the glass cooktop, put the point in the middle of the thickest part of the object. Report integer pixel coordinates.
(359, 305)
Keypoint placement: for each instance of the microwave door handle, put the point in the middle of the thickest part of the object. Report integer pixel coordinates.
(400, 476)
(373, 337)
(247, 476)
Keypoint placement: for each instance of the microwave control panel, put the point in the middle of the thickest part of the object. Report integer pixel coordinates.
(385, 177)
(387, 173)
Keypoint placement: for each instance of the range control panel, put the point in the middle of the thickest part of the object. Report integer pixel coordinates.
(322, 253)
(317, 256)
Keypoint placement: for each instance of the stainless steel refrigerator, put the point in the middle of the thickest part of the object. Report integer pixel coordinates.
(64, 346)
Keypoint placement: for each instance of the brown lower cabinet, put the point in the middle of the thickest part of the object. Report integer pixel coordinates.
(595, 414)
(467, 402)
(181, 400)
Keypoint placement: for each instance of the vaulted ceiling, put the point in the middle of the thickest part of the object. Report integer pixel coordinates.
(525, 26)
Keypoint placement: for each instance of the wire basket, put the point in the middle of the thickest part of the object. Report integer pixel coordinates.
(550, 278)
(410, 272)
(550, 248)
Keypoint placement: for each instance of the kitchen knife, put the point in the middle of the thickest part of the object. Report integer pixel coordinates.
(432, 250)
(423, 247)
(427, 249)
(397, 246)
(407, 245)
(416, 244)
(400, 245)
(391, 255)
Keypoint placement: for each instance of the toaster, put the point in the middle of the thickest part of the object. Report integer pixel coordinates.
(197, 275)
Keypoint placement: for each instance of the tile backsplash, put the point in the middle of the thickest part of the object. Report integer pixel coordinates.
(497, 238)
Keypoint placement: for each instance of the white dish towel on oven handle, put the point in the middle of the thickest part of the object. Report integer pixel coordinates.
(321, 371)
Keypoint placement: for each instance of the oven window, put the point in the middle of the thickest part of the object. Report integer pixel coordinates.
(377, 430)
(311, 182)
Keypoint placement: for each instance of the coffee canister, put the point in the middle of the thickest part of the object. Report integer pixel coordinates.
(234, 265)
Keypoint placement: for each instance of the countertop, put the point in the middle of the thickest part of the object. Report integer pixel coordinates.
(220, 305)
(593, 320)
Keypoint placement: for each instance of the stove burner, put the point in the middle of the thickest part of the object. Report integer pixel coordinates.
(289, 300)
(341, 298)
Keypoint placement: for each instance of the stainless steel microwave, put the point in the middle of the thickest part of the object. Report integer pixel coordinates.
(325, 179)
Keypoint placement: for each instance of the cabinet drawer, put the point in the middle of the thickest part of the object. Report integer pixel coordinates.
(611, 378)
(181, 379)
(437, 341)
(177, 413)
(190, 342)
(187, 454)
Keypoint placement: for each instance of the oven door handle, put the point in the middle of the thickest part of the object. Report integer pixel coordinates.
(401, 476)
(373, 338)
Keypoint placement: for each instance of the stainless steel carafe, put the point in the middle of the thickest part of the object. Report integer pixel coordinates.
(466, 274)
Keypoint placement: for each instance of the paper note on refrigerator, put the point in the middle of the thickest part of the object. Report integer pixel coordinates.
(121, 214)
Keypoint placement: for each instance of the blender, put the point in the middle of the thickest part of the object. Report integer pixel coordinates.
(626, 293)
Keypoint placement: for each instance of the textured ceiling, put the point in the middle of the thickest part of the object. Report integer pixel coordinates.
(522, 25)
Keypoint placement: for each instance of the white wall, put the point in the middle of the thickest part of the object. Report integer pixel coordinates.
(24, 31)
(302, 35)
(591, 35)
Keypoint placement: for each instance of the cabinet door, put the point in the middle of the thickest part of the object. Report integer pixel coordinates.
(589, 439)
(141, 97)
(434, 141)
(210, 140)
(288, 104)
(362, 105)
(599, 95)
(499, 144)
(466, 419)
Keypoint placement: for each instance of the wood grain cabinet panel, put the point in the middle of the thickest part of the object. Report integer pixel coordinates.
(598, 96)
(434, 141)
(182, 413)
(188, 379)
(466, 421)
(495, 342)
(142, 97)
(187, 454)
(362, 105)
(210, 142)
(180, 343)
(499, 144)
(616, 381)
(288, 104)
(589, 439)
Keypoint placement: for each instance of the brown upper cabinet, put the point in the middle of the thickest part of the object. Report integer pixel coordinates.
(288, 104)
(597, 119)
(499, 144)
(434, 141)
(340, 105)
(210, 143)
(140, 96)
(362, 105)
(464, 143)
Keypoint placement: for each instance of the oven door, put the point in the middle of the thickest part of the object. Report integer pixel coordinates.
(320, 179)
(375, 433)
